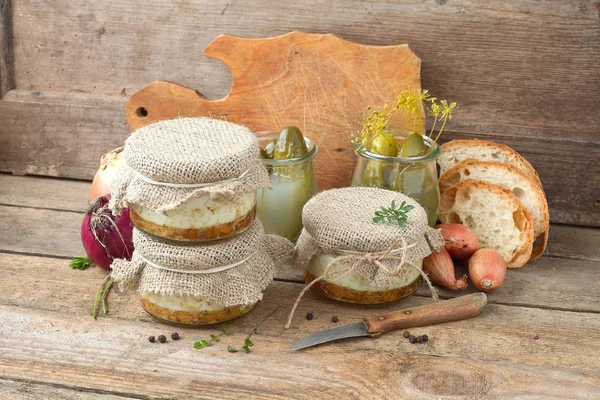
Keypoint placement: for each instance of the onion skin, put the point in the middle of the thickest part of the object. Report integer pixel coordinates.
(109, 163)
(461, 242)
(97, 228)
(487, 270)
(439, 268)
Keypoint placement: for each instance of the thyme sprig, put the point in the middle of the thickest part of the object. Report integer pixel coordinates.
(393, 214)
(202, 343)
(247, 342)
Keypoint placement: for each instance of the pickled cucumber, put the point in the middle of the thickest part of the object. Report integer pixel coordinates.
(289, 144)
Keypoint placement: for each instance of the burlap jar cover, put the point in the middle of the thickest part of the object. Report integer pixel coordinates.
(230, 272)
(339, 223)
(171, 162)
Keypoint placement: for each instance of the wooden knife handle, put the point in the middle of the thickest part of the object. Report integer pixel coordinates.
(442, 311)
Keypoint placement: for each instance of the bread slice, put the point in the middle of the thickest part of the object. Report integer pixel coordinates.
(509, 177)
(456, 151)
(494, 214)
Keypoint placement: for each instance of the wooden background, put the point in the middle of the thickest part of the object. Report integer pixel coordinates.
(526, 73)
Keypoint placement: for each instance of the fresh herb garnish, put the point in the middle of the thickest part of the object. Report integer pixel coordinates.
(393, 214)
(80, 262)
(247, 342)
(213, 339)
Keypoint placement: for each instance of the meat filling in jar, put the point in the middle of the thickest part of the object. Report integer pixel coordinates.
(199, 219)
(189, 310)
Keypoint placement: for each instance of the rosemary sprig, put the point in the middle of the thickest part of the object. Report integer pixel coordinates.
(101, 295)
(202, 343)
(393, 214)
(80, 262)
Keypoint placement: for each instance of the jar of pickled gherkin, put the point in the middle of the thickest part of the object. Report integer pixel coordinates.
(188, 284)
(414, 176)
(348, 256)
(190, 179)
(293, 183)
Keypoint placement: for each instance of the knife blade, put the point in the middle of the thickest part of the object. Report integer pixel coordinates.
(374, 326)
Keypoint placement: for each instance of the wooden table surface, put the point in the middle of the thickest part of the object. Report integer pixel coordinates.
(539, 337)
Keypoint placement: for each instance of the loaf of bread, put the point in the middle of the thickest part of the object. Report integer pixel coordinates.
(494, 214)
(456, 151)
(507, 176)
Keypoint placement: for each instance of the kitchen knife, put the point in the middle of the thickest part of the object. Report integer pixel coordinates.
(442, 311)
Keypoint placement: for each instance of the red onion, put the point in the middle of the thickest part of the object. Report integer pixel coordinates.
(108, 165)
(105, 236)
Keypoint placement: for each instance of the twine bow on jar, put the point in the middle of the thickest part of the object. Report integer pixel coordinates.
(373, 258)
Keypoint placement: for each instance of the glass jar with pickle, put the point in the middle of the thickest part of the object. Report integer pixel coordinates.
(288, 156)
(414, 176)
(404, 161)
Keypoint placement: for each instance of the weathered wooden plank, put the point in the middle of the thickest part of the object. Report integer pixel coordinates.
(48, 232)
(48, 193)
(510, 65)
(6, 48)
(114, 355)
(26, 390)
(58, 139)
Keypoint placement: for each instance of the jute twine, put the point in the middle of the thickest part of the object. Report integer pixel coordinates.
(170, 162)
(229, 272)
(341, 220)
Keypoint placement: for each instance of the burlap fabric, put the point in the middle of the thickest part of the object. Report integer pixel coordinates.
(259, 256)
(170, 162)
(339, 222)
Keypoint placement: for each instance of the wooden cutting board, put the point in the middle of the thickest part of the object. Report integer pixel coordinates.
(320, 83)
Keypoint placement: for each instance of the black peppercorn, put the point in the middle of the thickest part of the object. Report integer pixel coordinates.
(425, 338)
(411, 338)
(151, 339)
(334, 318)
(419, 339)
(309, 316)
(406, 334)
(162, 338)
(175, 336)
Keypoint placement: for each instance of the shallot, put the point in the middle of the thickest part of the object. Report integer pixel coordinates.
(438, 266)
(105, 236)
(109, 163)
(487, 270)
(461, 243)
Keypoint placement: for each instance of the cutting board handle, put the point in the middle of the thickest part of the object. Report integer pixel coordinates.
(435, 313)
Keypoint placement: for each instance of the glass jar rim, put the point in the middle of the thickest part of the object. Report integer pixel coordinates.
(312, 152)
(432, 155)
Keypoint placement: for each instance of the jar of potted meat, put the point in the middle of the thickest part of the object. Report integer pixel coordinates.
(364, 245)
(190, 179)
(188, 284)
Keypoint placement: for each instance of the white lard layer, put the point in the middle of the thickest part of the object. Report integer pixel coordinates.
(199, 213)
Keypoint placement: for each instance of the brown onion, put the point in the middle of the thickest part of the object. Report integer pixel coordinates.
(461, 243)
(487, 270)
(108, 165)
(438, 266)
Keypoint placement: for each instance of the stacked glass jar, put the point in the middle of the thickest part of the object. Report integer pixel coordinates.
(200, 256)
